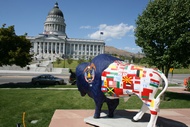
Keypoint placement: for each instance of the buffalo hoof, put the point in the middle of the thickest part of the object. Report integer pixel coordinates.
(134, 120)
(96, 117)
(110, 115)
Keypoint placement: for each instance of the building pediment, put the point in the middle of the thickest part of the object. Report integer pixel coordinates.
(50, 37)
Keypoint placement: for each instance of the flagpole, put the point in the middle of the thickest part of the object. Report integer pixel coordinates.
(101, 33)
(100, 36)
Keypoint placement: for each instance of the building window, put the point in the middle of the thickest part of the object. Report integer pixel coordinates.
(76, 47)
(79, 47)
(98, 47)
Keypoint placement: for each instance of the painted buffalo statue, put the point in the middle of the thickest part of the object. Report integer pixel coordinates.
(107, 78)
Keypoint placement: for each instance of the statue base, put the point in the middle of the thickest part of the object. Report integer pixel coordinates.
(122, 118)
(116, 121)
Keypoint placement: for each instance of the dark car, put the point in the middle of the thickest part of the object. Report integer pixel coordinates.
(47, 79)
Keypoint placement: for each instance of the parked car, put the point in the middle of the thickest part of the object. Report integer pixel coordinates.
(47, 79)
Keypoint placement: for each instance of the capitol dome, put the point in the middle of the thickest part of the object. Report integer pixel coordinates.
(55, 22)
(56, 11)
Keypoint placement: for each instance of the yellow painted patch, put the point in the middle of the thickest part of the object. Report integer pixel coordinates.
(112, 66)
(105, 83)
(152, 103)
(127, 79)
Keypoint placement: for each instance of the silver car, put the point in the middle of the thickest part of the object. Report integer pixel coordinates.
(47, 79)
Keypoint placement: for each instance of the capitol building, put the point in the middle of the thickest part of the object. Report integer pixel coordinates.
(54, 43)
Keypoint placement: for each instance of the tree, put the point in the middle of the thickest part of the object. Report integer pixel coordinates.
(69, 60)
(163, 32)
(14, 49)
(58, 60)
(81, 60)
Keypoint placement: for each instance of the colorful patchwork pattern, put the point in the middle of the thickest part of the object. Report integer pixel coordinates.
(121, 79)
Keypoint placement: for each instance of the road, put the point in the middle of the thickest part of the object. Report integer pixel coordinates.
(26, 77)
(177, 78)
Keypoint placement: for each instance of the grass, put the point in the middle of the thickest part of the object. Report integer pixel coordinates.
(40, 104)
(182, 71)
(74, 64)
(30, 85)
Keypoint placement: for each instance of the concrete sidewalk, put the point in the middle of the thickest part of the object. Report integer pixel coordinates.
(82, 118)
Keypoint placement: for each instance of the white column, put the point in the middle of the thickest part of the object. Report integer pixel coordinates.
(40, 48)
(101, 49)
(74, 51)
(43, 47)
(64, 48)
(89, 46)
(35, 47)
(70, 46)
(48, 27)
(78, 49)
(55, 47)
(92, 50)
(85, 49)
(51, 47)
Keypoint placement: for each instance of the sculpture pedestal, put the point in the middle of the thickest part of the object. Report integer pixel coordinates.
(117, 121)
(76, 118)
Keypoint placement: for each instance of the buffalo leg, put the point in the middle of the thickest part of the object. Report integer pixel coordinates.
(153, 119)
(139, 115)
(112, 105)
(154, 112)
(98, 110)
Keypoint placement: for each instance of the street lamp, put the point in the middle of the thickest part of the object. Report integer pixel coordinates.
(63, 56)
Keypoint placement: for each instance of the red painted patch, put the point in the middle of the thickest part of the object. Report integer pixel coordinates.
(153, 112)
(153, 80)
(157, 73)
(118, 91)
(104, 73)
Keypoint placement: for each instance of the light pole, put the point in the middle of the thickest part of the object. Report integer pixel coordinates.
(63, 56)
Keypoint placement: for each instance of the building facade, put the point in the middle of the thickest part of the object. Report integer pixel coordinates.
(53, 42)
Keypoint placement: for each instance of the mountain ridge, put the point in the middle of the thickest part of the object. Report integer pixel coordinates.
(120, 52)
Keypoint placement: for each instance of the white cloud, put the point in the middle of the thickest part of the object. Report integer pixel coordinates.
(112, 32)
(85, 27)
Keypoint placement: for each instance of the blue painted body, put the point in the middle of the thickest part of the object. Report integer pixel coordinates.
(93, 89)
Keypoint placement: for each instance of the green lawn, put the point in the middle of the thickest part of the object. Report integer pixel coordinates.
(74, 64)
(40, 104)
(182, 71)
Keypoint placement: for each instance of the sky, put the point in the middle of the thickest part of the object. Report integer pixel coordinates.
(84, 19)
